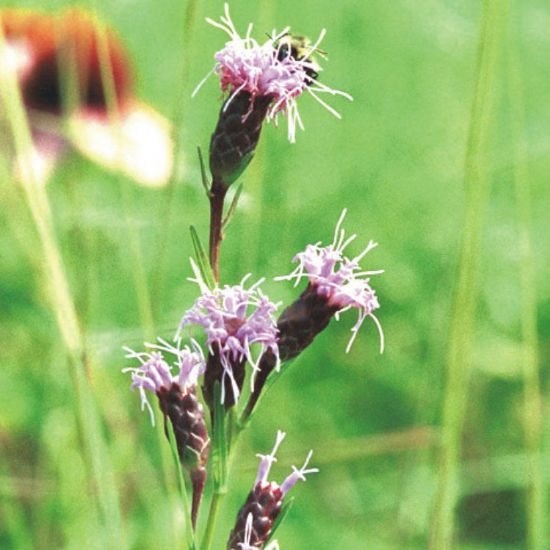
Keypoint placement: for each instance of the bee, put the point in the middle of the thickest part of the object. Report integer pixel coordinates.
(299, 47)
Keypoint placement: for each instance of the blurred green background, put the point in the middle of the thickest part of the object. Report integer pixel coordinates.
(396, 160)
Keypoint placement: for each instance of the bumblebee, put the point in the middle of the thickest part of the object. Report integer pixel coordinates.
(299, 47)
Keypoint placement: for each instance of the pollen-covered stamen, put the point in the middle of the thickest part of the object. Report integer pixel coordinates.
(236, 321)
(339, 279)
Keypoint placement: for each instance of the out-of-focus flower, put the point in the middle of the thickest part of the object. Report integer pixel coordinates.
(60, 63)
(264, 502)
(336, 283)
(262, 81)
(234, 319)
(178, 401)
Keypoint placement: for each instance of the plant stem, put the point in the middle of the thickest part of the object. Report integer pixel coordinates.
(217, 197)
(215, 505)
(532, 403)
(464, 300)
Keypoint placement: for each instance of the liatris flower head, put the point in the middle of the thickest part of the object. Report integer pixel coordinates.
(155, 374)
(338, 279)
(234, 319)
(336, 283)
(177, 396)
(246, 545)
(262, 81)
(265, 502)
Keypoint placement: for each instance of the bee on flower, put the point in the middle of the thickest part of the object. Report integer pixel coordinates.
(262, 82)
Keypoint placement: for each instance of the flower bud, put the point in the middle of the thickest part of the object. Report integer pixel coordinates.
(236, 135)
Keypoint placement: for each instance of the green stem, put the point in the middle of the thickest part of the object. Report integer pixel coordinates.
(532, 398)
(464, 300)
(215, 505)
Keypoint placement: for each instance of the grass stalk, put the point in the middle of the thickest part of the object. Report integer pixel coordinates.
(532, 399)
(167, 205)
(464, 300)
(138, 271)
(100, 471)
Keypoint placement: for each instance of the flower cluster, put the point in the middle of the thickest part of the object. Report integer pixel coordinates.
(234, 319)
(179, 403)
(155, 375)
(265, 501)
(339, 279)
(42, 52)
(244, 65)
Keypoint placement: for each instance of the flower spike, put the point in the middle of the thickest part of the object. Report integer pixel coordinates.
(264, 503)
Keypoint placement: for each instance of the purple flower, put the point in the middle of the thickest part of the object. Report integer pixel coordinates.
(244, 65)
(263, 505)
(246, 545)
(339, 279)
(234, 319)
(155, 374)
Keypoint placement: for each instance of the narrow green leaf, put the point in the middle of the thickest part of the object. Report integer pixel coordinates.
(204, 175)
(181, 487)
(280, 518)
(219, 444)
(233, 206)
(202, 259)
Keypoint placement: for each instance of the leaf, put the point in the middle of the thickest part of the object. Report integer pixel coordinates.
(181, 486)
(233, 206)
(280, 518)
(204, 176)
(202, 259)
(219, 443)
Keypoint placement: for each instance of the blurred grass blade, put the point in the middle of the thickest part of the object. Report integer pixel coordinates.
(202, 259)
(537, 505)
(465, 296)
(63, 306)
